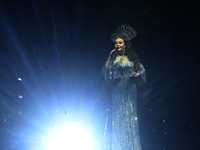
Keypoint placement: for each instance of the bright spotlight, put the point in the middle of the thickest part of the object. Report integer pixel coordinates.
(70, 138)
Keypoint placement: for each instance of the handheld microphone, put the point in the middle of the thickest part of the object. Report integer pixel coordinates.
(116, 50)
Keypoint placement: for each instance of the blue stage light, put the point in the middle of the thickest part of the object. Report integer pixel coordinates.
(70, 138)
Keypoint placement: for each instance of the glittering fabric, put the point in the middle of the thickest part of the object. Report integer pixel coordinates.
(125, 130)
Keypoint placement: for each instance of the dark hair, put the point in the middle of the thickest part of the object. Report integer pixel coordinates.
(130, 52)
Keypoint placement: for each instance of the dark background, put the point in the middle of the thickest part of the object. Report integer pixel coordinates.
(58, 49)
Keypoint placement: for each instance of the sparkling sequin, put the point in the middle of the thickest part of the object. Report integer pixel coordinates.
(125, 130)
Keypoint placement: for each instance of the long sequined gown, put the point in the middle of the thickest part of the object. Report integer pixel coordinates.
(125, 130)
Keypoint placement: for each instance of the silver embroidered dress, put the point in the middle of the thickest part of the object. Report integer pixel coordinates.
(125, 130)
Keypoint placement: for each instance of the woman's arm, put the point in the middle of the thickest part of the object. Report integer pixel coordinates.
(140, 71)
(108, 60)
(141, 75)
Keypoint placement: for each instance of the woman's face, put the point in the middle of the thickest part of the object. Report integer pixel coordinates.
(119, 44)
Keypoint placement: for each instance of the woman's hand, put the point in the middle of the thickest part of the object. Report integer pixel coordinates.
(112, 51)
(135, 74)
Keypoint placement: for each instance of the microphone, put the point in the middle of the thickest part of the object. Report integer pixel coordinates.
(116, 50)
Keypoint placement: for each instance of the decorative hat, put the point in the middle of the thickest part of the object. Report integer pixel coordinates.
(128, 32)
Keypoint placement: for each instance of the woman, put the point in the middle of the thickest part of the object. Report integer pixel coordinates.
(124, 70)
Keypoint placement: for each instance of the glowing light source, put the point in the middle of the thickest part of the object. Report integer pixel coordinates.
(20, 79)
(70, 138)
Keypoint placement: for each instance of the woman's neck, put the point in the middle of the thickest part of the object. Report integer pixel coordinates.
(121, 53)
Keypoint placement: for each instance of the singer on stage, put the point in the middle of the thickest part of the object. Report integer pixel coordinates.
(124, 71)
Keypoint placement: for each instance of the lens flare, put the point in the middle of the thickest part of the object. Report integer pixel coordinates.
(70, 138)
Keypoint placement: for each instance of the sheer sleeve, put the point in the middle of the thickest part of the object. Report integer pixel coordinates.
(110, 75)
(142, 78)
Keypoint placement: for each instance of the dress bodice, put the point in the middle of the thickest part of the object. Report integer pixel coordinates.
(122, 68)
(122, 60)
